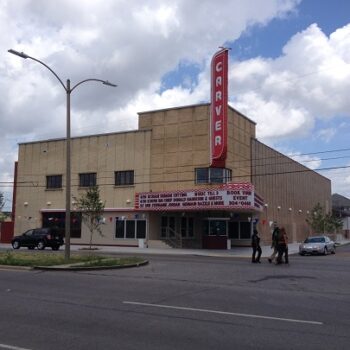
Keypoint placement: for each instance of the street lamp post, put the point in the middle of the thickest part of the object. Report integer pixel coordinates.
(68, 90)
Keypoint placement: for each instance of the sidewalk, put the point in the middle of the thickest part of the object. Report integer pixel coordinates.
(238, 252)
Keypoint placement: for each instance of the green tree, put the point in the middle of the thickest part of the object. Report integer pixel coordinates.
(322, 222)
(333, 223)
(91, 208)
(2, 203)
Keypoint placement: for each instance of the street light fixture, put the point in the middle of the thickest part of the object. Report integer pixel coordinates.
(68, 90)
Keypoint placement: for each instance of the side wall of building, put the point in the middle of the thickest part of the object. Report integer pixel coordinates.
(290, 191)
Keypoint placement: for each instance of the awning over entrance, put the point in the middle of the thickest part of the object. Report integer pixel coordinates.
(230, 196)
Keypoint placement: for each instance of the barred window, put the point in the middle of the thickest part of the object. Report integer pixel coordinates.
(54, 181)
(87, 180)
(123, 178)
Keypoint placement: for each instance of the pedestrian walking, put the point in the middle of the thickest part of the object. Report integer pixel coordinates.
(274, 237)
(282, 246)
(256, 247)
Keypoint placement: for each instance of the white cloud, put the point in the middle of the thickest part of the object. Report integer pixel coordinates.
(340, 180)
(135, 45)
(286, 96)
(310, 80)
(126, 42)
(326, 135)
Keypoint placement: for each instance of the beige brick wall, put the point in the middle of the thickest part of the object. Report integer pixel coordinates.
(181, 142)
(102, 154)
(284, 183)
(240, 132)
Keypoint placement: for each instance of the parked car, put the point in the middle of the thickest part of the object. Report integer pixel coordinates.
(317, 245)
(40, 238)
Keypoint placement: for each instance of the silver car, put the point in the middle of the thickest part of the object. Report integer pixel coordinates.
(317, 245)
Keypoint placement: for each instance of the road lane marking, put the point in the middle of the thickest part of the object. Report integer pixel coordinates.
(223, 313)
(4, 346)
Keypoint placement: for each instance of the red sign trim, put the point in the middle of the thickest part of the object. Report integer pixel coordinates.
(219, 100)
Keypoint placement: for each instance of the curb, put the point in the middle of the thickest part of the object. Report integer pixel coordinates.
(15, 267)
(88, 268)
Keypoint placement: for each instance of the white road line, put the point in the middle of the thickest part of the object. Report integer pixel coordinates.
(223, 312)
(4, 346)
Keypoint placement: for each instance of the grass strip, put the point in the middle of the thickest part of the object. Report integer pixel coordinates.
(46, 259)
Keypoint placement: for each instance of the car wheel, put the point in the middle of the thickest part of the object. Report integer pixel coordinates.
(16, 245)
(325, 252)
(41, 245)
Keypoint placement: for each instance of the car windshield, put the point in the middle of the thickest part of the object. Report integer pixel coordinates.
(315, 240)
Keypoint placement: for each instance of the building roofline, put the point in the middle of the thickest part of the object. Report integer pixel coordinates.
(136, 130)
(295, 161)
(86, 136)
(241, 114)
(195, 105)
(172, 108)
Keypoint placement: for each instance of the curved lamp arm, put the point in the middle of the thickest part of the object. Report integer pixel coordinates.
(23, 55)
(68, 90)
(104, 82)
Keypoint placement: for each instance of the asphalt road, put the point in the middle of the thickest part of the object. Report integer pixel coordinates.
(181, 302)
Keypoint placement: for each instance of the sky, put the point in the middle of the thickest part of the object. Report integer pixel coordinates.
(289, 71)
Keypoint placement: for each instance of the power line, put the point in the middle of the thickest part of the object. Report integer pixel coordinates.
(25, 184)
(287, 161)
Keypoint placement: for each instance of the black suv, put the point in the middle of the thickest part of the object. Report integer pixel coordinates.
(40, 238)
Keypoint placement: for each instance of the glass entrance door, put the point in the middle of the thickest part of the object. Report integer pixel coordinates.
(215, 233)
(215, 227)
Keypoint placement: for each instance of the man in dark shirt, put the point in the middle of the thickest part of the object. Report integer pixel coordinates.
(256, 247)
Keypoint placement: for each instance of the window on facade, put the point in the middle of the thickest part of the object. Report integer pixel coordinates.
(202, 175)
(187, 227)
(53, 181)
(87, 180)
(239, 230)
(119, 229)
(141, 229)
(213, 175)
(123, 178)
(233, 229)
(130, 229)
(167, 226)
(245, 230)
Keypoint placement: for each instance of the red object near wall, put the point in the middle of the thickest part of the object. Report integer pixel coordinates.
(6, 231)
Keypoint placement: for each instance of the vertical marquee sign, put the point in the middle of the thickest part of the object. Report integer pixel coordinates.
(219, 78)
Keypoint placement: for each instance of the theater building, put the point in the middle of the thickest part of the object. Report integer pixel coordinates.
(157, 183)
(190, 177)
